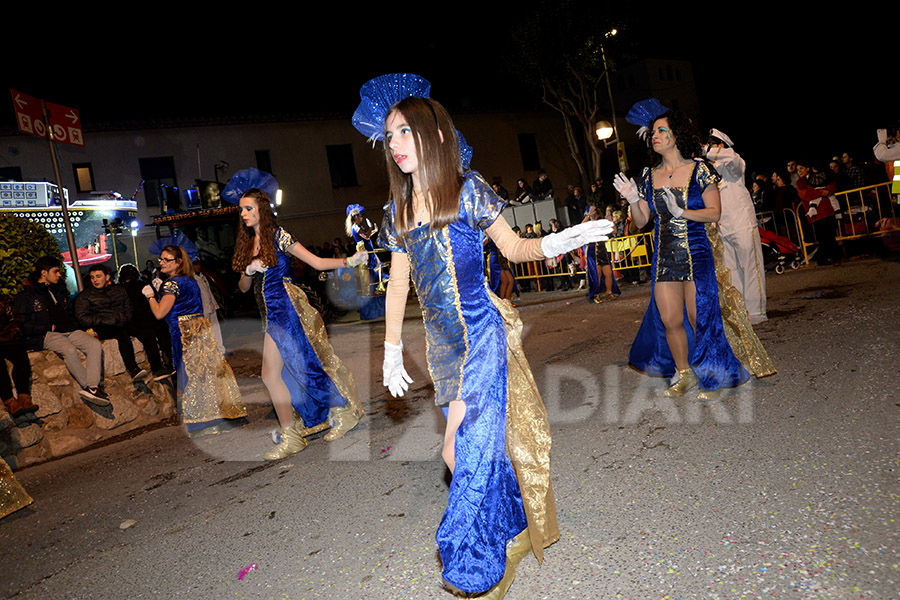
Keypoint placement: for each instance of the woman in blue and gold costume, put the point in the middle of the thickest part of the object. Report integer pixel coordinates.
(310, 387)
(497, 439)
(362, 232)
(209, 392)
(686, 331)
(602, 285)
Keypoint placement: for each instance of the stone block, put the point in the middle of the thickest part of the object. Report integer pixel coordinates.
(55, 422)
(60, 445)
(55, 372)
(29, 456)
(123, 411)
(24, 437)
(46, 399)
(80, 417)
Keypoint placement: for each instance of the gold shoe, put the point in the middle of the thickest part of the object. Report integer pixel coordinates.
(291, 443)
(686, 381)
(708, 395)
(344, 419)
(516, 549)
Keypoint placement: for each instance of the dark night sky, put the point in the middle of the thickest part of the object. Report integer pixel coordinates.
(780, 83)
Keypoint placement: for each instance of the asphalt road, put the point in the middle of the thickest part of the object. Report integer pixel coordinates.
(786, 488)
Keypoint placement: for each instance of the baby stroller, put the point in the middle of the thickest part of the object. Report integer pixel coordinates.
(778, 251)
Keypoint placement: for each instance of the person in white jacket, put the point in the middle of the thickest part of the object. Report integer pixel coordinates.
(737, 226)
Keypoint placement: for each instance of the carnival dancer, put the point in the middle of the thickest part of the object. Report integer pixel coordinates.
(310, 387)
(682, 332)
(737, 226)
(602, 285)
(209, 393)
(497, 440)
(362, 231)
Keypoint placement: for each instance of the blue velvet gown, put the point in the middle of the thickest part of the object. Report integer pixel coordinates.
(467, 332)
(315, 377)
(596, 279)
(682, 252)
(209, 392)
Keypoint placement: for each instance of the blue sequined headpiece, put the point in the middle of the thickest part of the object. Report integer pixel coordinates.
(378, 95)
(644, 112)
(246, 179)
(355, 208)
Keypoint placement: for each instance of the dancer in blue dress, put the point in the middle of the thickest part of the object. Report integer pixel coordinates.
(497, 440)
(682, 332)
(309, 386)
(209, 392)
(362, 233)
(602, 285)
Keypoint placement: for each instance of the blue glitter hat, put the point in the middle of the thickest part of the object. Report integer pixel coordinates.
(246, 179)
(378, 95)
(644, 112)
(355, 208)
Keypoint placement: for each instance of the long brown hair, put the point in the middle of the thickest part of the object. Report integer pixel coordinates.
(243, 246)
(440, 168)
(183, 264)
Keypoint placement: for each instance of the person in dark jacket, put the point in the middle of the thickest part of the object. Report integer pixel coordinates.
(47, 325)
(106, 309)
(153, 333)
(12, 348)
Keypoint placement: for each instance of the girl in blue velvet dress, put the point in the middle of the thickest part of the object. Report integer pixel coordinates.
(309, 386)
(682, 332)
(209, 392)
(497, 439)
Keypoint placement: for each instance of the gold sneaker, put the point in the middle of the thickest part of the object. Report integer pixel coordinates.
(686, 381)
(344, 419)
(291, 443)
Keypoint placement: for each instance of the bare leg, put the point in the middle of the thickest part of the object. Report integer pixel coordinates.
(506, 285)
(608, 281)
(455, 415)
(271, 375)
(670, 301)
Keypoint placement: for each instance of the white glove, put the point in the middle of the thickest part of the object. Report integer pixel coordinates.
(672, 203)
(575, 237)
(627, 187)
(812, 212)
(255, 266)
(358, 258)
(156, 283)
(396, 379)
(147, 291)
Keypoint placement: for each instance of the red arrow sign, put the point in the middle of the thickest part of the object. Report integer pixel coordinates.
(65, 122)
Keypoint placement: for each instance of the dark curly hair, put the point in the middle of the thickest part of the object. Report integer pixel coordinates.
(687, 137)
(267, 225)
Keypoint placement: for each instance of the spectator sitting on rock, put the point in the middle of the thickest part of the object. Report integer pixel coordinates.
(12, 348)
(47, 325)
(106, 309)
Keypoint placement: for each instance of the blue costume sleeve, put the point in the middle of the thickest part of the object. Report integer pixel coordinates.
(388, 239)
(171, 287)
(707, 175)
(283, 240)
(481, 204)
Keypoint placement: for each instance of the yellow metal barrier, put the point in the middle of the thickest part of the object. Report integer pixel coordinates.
(861, 209)
(627, 252)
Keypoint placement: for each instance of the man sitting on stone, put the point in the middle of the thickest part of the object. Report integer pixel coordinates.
(47, 325)
(105, 308)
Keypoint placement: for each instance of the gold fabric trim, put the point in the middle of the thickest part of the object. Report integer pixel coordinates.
(451, 268)
(12, 495)
(190, 316)
(317, 335)
(743, 340)
(211, 391)
(528, 436)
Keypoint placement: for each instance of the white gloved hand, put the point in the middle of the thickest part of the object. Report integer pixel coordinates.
(812, 212)
(358, 258)
(156, 283)
(396, 379)
(672, 203)
(147, 291)
(627, 187)
(255, 266)
(575, 237)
